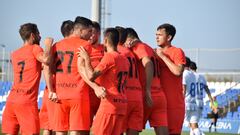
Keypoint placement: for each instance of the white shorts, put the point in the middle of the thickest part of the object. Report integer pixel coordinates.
(192, 116)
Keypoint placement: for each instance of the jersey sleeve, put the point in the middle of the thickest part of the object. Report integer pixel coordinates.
(105, 64)
(88, 48)
(142, 51)
(37, 50)
(184, 80)
(179, 58)
(203, 80)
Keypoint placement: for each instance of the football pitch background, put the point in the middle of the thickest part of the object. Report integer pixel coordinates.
(151, 132)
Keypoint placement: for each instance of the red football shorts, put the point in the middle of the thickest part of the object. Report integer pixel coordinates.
(46, 114)
(175, 120)
(134, 117)
(157, 114)
(108, 124)
(20, 116)
(72, 114)
(94, 104)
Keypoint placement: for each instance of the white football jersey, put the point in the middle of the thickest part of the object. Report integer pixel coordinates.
(201, 83)
(189, 79)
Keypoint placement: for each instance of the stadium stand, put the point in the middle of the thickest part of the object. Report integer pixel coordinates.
(227, 94)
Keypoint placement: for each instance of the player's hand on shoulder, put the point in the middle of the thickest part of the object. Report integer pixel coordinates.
(48, 41)
(82, 53)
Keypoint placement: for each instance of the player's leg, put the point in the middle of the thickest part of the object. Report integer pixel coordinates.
(79, 117)
(61, 117)
(135, 117)
(194, 122)
(158, 117)
(28, 117)
(175, 122)
(10, 125)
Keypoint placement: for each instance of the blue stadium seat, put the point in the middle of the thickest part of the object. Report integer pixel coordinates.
(235, 115)
(39, 103)
(229, 115)
(42, 86)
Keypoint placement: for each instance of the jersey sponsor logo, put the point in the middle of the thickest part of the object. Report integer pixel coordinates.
(118, 100)
(22, 91)
(66, 85)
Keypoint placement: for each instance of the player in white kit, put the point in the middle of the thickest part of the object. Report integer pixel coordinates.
(190, 91)
(201, 87)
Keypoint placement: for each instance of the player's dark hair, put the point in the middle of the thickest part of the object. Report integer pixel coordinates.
(122, 34)
(26, 30)
(112, 35)
(170, 29)
(67, 28)
(131, 33)
(96, 26)
(188, 61)
(193, 65)
(82, 21)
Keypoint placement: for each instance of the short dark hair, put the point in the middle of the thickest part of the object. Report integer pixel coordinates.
(188, 61)
(85, 22)
(122, 34)
(193, 65)
(96, 26)
(170, 29)
(26, 30)
(67, 28)
(112, 35)
(131, 33)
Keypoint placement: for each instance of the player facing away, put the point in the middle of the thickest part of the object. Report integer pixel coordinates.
(201, 87)
(71, 112)
(112, 72)
(189, 91)
(21, 112)
(134, 118)
(172, 66)
(155, 105)
(46, 113)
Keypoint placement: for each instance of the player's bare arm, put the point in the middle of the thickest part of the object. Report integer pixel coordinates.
(175, 69)
(48, 78)
(208, 93)
(45, 56)
(82, 53)
(148, 65)
(99, 91)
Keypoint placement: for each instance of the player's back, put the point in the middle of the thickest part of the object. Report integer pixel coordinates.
(201, 84)
(189, 80)
(143, 50)
(113, 79)
(27, 74)
(133, 85)
(69, 84)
